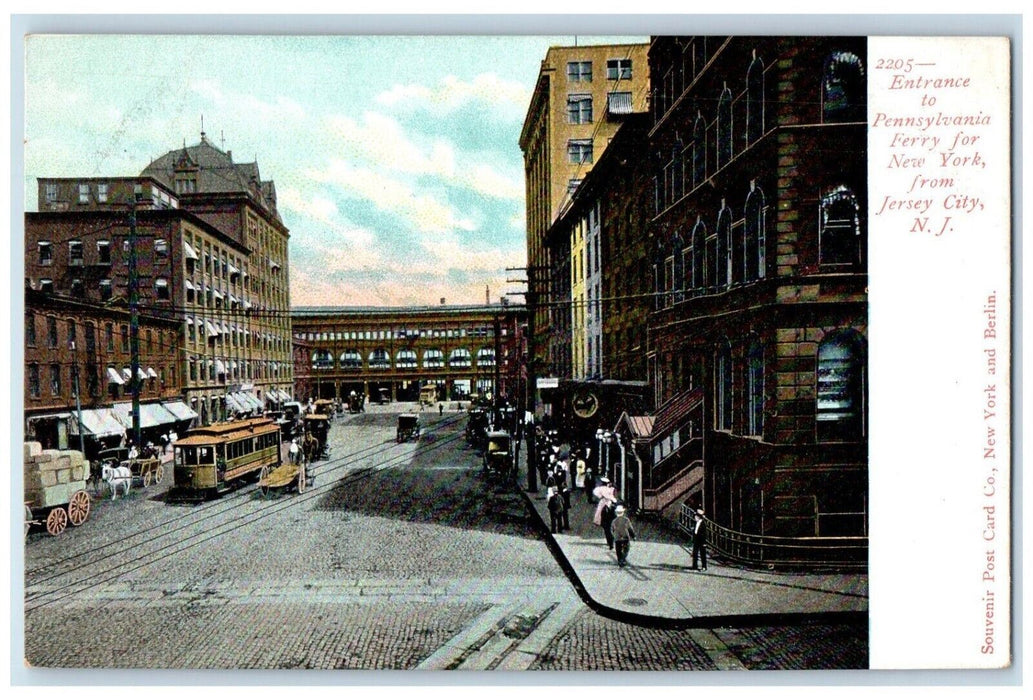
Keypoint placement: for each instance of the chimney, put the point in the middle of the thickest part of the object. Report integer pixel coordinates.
(442, 301)
(487, 296)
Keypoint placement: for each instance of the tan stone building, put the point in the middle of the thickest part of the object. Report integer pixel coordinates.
(582, 95)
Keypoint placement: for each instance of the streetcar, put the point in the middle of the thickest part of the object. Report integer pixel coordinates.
(211, 460)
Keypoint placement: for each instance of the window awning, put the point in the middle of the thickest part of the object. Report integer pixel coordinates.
(234, 270)
(151, 373)
(285, 395)
(114, 377)
(189, 320)
(218, 294)
(619, 103)
(189, 252)
(225, 328)
(234, 403)
(189, 284)
(219, 367)
(210, 328)
(98, 422)
(247, 304)
(180, 410)
(152, 415)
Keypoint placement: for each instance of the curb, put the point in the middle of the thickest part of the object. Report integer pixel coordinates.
(703, 621)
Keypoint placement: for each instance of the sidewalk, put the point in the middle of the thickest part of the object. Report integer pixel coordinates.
(658, 585)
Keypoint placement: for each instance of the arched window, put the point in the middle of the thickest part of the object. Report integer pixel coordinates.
(699, 151)
(755, 388)
(486, 357)
(405, 359)
(841, 387)
(839, 229)
(698, 246)
(755, 235)
(322, 359)
(724, 127)
(722, 257)
(678, 268)
(843, 88)
(379, 359)
(433, 359)
(723, 387)
(459, 359)
(754, 100)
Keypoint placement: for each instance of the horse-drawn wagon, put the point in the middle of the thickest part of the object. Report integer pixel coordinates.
(498, 457)
(55, 488)
(317, 428)
(276, 478)
(408, 427)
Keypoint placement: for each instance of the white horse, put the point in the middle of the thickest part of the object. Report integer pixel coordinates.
(116, 477)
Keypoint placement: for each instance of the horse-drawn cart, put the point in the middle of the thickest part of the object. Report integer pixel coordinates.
(408, 427)
(55, 488)
(317, 429)
(148, 470)
(276, 478)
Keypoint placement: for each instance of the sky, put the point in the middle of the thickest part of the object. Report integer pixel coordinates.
(395, 158)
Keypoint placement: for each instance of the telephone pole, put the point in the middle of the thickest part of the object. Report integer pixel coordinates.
(134, 325)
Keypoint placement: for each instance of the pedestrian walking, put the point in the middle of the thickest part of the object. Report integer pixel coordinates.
(699, 540)
(555, 504)
(604, 511)
(623, 533)
(441, 409)
(164, 442)
(565, 497)
(294, 452)
(589, 483)
(579, 471)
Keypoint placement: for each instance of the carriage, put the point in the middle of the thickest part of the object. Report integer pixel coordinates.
(325, 407)
(477, 427)
(356, 402)
(498, 457)
(213, 459)
(408, 427)
(55, 488)
(317, 427)
(383, 396)
(275, 479)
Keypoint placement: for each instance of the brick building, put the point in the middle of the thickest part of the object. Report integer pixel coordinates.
(77, 347)
(757, 342)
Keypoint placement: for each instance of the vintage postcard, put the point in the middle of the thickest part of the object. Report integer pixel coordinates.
(646, 350)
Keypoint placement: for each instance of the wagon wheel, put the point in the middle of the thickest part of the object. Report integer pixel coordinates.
(148, 476)
(263, 484)
(28, 520)
(302, 480)
(57, 520)
(159, 473)
(79, 508)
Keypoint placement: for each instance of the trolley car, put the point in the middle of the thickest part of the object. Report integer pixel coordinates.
(213, 459)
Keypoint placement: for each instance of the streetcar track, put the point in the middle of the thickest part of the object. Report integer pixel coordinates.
(50, 597)
(210, 509)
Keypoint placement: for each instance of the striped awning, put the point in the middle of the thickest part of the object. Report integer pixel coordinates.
(189, 284)
(180, 410)
(189, 252)
(99, 422)
(220, 368)
(151, 373)
(619, 103)
(114, 377)
(210, 328)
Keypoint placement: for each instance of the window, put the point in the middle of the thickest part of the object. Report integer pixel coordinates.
(723, 386)
(618, 69)
(579, 150)
(55, 380)
(71, 334)
(124, 332)
(109, 337)
(150, 340)
(722, 257)
(161, 289)
(84, 193)
(843, 88)
(839, 229)
(46, 285)
(433, 359)
(161, 247)
(78, 289)
(405, 359)
(724, 128)
(753, 231)
(579, 71)
(102, 192)
(579, 109)
(841, 387)
(755, 388)
(486, 357)
(350, 359)
(105, 290)
(30, 330)
(697, 266)
(754, 101)
(379, 359)
(459, 359)
(699, 152)
(50, 191)
(572, 186)
(33, 377)
(75, 253)
(46, 253)
(104, 252)
(91, 338)
(51, 332)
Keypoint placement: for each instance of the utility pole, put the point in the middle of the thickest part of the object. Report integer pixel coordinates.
(78, 403)
(134, 325)
(527, 398)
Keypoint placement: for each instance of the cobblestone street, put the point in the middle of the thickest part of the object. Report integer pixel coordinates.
(399, 558)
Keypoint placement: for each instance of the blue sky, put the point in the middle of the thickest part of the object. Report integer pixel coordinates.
(396, 159)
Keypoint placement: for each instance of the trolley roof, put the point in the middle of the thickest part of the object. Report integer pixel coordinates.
(229, 431)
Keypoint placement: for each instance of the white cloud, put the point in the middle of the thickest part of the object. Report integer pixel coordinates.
(322, 212)
(380, 140)
(451, 93)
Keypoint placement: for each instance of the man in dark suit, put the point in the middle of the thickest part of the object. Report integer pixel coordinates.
(699, 541)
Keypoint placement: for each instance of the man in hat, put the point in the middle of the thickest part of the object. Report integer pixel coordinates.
(699, 540)
(623, 533)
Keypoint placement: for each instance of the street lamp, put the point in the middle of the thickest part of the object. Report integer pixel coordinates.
(599, 452)
(607, 438)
